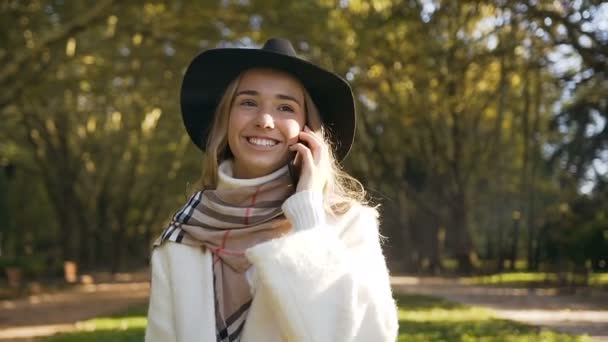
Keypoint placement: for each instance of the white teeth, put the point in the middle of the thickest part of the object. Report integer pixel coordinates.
(262, 142)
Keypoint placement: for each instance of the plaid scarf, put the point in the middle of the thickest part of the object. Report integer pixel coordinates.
(239, 214)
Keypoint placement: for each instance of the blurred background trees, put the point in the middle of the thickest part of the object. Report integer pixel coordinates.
(482, 125)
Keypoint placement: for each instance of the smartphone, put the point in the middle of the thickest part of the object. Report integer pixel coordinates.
(294, 171)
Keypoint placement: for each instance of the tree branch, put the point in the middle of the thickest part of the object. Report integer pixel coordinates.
(14, 67)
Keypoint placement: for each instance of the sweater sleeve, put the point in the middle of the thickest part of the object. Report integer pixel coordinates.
(160, 311)
(327, 283)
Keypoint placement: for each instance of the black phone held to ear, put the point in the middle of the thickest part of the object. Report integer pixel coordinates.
(293, 169)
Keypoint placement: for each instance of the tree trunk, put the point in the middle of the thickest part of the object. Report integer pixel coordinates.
(463, 248)
(515, 240)
(532, 238)
(525, 175)
(437, 252)
(500, 246)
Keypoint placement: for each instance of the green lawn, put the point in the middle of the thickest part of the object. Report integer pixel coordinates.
(535, 278)
(424, 318)
(125, 327)
(421, 319)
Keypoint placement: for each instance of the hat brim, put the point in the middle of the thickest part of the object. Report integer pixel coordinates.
(209, 74)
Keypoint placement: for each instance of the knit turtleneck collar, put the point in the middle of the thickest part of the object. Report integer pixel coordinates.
(226, 180)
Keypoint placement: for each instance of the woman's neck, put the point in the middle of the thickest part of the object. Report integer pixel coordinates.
(226, 179)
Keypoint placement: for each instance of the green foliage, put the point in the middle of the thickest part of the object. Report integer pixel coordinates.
(7, 262)
(34, 266)
(578, 232)
(455, 103)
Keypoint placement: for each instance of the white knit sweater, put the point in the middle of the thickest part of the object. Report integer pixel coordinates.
(325, 282)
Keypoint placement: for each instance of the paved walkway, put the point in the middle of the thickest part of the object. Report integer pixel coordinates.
(543, 307)
(47, 314)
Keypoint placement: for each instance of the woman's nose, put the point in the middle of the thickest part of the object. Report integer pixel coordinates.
(265, 120)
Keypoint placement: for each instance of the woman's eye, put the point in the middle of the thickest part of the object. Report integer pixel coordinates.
(286, 108)
(248, 103)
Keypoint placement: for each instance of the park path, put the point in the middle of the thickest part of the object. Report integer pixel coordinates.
(578, 314)
(28, 318)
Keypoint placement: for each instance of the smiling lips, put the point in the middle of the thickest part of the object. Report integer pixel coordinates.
(263, 142)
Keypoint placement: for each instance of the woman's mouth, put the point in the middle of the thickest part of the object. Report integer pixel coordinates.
(262, 142)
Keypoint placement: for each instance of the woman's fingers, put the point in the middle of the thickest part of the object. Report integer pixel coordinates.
(304, 153)
(315, 144)
(313, 154)
(311, 134)
(310, 173)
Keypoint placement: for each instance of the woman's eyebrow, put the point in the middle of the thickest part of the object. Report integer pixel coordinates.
(287, 97)
(279, 96)
(248, 92)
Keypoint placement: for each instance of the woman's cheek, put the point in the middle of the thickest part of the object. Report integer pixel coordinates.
(293, 129)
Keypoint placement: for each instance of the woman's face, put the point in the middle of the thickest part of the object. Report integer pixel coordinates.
(266, 116)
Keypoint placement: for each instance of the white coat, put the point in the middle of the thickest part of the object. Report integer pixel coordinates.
(325, 282)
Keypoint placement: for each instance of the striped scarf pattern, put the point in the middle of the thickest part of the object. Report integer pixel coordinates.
(227, 221)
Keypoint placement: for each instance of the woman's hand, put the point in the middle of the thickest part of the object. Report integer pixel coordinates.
(313, 161)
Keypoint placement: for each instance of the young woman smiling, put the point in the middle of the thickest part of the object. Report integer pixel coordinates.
(260, 253)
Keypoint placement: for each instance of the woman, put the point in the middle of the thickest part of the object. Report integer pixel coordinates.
(279, 245)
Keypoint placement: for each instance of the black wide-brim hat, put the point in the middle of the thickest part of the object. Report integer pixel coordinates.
(210, 73)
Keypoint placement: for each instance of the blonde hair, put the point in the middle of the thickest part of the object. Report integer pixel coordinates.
(341, 192)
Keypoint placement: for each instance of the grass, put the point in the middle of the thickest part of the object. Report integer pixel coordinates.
(599, 279)
(128, 326)
(534, 278)
(424, 318)
(421, 318)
